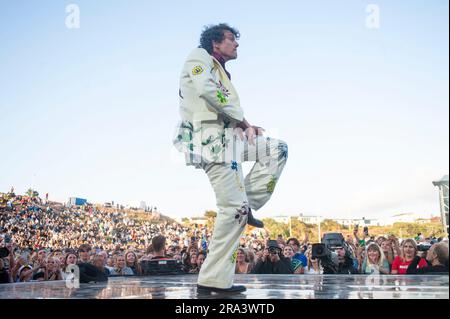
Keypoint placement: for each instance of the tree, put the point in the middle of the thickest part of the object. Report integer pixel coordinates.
(32, 193)
(210, 214)
(275, 228)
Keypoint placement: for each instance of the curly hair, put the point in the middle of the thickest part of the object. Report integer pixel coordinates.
(215, 33)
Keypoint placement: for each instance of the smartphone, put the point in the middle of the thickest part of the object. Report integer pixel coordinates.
(7, 239)
(366, 231)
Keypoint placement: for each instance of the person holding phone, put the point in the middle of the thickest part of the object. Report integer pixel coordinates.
(360, 242)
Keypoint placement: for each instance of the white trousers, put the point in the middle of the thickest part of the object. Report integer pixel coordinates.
(234, 195)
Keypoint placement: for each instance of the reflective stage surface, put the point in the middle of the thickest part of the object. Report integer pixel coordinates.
(258, 287)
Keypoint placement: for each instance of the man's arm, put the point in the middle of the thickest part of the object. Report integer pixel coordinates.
(355, 233)
(199, 66)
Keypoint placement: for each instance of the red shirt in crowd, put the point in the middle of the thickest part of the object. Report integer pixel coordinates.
(401, 266)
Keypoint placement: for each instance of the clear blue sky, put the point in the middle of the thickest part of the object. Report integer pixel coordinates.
(90, 112)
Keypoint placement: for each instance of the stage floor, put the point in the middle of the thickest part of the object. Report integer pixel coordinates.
(258, 287)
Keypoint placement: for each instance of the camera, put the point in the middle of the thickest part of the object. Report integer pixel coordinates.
(366, 231)
(326, 252)
(162, 267)
(274, 250)
(423, 247)
(327, 257)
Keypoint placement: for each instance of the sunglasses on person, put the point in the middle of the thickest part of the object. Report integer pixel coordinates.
(274, 251)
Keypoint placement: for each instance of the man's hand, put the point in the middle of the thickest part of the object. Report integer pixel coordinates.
(248, 134)
(265, 254)
(259, 130)
(251, 131)
(251, 135)
(275, 257)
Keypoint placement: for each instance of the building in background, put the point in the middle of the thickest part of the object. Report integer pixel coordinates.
(350, 222)
(200, 221)
(281, 219)
(314, 220)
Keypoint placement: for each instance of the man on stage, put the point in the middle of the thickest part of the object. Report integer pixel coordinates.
(215, 136)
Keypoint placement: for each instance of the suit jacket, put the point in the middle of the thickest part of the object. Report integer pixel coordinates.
(209, 105)
(283, 266)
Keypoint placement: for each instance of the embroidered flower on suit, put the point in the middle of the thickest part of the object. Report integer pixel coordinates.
(222, 93)
(234, 257)
(282, 151)
(185, 135)
(215, 152)
(241, 212)
(221, 97)
(216, 149)
(271, 184)
(209, 140)
(225, 141)
(237, 176)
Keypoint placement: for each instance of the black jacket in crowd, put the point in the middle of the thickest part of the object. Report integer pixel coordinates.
(429, 270)
(4, 276)
(345, 268)
(283, 266)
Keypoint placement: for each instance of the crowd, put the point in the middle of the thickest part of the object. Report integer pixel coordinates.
(40, 243)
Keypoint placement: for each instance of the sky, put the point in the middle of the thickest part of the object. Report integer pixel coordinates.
(362, 102)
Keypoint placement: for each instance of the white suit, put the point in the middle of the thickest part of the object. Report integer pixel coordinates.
(210, 109)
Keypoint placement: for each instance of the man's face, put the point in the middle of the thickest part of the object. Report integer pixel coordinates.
(294, 246)
(42, 254)
(84, 254)
(340, 252)
(273, 254)
(430, 254)
(228, 47)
